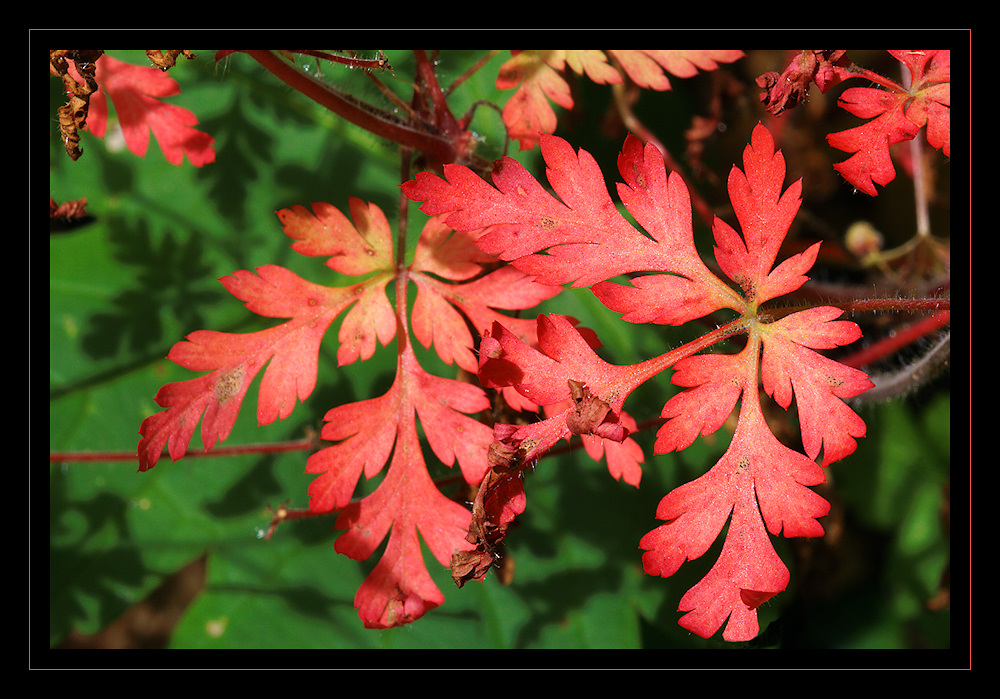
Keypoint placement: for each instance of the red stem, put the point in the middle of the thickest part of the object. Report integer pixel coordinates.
(931, 304)
(363, 63)
(428, 82)
(637, 374)
(274, 448)
(471, 71)
(283, 514)
(367, 117)
(857, 71)
(901, 338)
(863, 305)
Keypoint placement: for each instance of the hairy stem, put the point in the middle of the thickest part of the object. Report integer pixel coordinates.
(370, 118)
(856, 71)
(638, 374)
(404, 208)
(307, 444)
(900, 338)
(868, 305)
(429, 88)
(912, 376)
(366, 64)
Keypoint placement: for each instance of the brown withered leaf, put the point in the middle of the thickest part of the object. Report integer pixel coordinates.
(75, 208)
(165, 60)
(590, 410)
(486, 531)
(73, 114)
(68, 215)
(592, 415)
(470, 565)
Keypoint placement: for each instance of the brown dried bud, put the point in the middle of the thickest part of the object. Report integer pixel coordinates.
(470, 565)
(781, 92)
(592, 415)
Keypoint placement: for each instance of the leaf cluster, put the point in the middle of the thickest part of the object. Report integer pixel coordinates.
(478, 383)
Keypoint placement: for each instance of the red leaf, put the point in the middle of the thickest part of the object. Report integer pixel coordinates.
(896, 114)
(646, 68)
(542, 376)
(406, 506)
(359, 248)
(765, 214)
(705, 406)
(443, 311)
(137, 93)
(757, 480)
(581, 393)
(235, 359)
(538, 77)
(623, 458)
(759, 485)
(407, 502)
(747, 573)
(661, 204)
(820, 384)
(587, 239)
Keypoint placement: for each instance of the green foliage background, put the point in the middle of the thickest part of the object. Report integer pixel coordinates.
(125, 288)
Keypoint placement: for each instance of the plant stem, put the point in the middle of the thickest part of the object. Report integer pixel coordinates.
(429, 87)
(468, 73)
(283, 514)
(895, 304)
(912, 375)
(380, 123)
(856, 71)
(637, 374)
(365, 64)
(866, 305)
(899, 339)
(404, 209)
(110, 456)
